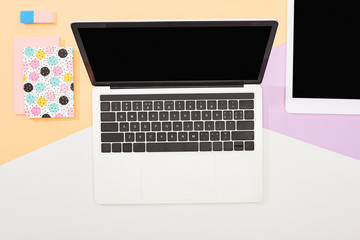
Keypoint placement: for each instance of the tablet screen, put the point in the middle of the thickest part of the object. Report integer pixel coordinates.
(326, 50)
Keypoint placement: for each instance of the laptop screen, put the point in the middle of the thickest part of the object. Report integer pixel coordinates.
(162, 53)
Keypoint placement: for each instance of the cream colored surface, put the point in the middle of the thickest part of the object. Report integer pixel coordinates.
(19, 135)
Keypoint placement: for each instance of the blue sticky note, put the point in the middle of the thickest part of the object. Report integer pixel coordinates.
(27, 16)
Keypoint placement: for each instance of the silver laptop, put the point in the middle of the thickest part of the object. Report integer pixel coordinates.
(177, 109)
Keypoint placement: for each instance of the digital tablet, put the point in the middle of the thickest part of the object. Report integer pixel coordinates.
(323, 57)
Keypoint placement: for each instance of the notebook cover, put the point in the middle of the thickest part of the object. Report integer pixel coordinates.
(48, 82)
(18, 45)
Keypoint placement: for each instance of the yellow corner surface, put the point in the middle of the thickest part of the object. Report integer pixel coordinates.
(20, 136)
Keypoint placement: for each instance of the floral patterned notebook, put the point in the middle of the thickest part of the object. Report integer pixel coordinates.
(48, 82)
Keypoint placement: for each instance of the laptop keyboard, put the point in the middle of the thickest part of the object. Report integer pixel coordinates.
(177, 122)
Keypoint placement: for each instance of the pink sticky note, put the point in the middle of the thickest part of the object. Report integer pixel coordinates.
(18, 45)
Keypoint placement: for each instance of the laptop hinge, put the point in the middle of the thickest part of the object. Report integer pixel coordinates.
(177, 84)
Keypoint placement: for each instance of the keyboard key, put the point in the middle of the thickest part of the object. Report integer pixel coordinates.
(137, 106)
(185, 115)
(211, 105)
(172, 147)
(158, 105)
(209, 125)
(183, 136)
(107, 116)
(242, 135)
(249, 146)
(121, 116)
(225, 136)
(150, 137)
(190, 105)
(206, 115)
(201, 105)
(105, 147)
(129, 137)
(131, 116)
(153, 116)
(109, 127)
(126, 106)
(116, 147)
(147, 106)
(228, 146)
(227, 115)
(222, 104)
(217, 146)
(134, 126)
(139, 147)
(188, 126)
(112, 137)
(166, 126)
(246, 104)
(233, 104)
(164, 116)
(142, 116)
(105, 106)
(205, 146)
(204, 136)
(217, 115)
(245, 125)
(199, 126)
(127, 147)
(238, 146)
(169, 105)
(115, 106)
(172, 136)
(156, 126)
(140, 137)
(177, 126)
(124, 127)
(230, 125)
(179, 105)
(193, 136)
(145, 126)
(220, 125)
(238, 114)
(174, 116)
(161, 137)
(249, 114)
(195, 115)
(214, 136)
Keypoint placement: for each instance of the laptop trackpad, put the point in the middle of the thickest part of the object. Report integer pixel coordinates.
(179, 177)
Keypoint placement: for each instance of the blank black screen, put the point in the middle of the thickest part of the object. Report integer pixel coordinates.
(326, 50)
(175, 53)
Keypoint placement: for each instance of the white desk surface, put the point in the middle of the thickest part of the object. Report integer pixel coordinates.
(310, 193)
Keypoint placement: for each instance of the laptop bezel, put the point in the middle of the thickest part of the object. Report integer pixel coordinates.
(75, 26)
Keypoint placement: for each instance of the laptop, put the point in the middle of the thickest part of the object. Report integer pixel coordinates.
(177, 109)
